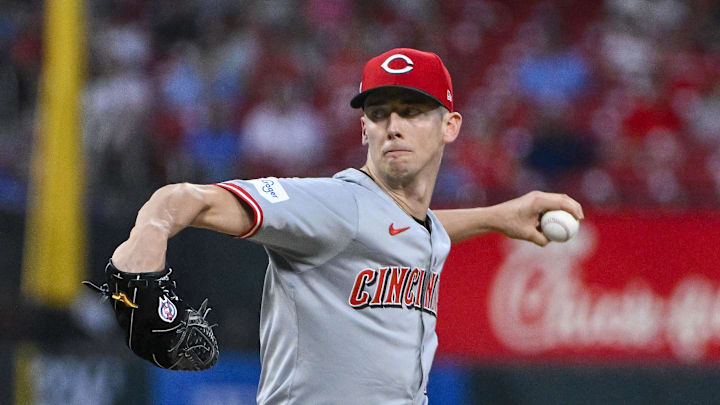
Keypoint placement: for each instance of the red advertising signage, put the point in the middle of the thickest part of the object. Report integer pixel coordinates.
(631, 286)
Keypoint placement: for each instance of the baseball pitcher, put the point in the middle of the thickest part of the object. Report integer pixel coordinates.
(350, 299)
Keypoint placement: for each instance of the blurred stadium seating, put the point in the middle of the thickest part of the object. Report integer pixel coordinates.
(614, 102)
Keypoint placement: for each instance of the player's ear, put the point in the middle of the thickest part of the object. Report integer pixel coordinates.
(452, 121)
(363, 129)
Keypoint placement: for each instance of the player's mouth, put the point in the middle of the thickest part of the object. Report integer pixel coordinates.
(396, 151)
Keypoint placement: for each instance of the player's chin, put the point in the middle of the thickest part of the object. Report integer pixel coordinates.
(395, 164)
(399, 169)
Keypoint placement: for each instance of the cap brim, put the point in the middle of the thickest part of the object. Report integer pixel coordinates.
(359, 100)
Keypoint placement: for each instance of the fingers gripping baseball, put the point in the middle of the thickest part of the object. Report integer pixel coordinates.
(522, 215)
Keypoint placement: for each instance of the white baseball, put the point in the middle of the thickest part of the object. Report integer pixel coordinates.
(559, 226)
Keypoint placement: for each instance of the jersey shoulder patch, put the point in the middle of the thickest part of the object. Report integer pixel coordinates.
(270, 189)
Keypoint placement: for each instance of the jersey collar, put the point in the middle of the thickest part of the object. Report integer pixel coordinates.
(360, 177)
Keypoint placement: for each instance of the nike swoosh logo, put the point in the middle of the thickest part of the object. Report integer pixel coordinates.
(394, 231)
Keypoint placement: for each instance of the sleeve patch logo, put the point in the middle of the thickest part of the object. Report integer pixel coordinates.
(270, 189)
(166, 309)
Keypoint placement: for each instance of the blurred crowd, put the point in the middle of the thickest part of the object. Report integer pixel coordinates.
(616, 103)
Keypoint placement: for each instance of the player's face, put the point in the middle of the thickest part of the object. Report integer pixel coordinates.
(405, 132)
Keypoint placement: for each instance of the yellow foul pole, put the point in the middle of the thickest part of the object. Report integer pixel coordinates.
(54, 261)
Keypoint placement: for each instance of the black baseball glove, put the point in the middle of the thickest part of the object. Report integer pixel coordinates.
(159, 326)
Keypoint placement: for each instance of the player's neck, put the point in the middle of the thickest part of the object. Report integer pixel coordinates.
(413, 197)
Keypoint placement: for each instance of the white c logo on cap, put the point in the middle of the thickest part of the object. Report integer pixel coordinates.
(386, 65)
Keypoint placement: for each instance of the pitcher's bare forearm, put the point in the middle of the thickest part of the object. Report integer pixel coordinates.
(518, 218)
(462, 224)
(171, 209)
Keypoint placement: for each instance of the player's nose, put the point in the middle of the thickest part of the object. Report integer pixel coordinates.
(393, 125)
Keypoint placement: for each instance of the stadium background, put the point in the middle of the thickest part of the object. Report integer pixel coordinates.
(614, 102)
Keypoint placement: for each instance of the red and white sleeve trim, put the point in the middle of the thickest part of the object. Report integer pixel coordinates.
(245, 196)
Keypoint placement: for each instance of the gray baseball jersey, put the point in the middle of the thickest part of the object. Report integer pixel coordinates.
(350, 297)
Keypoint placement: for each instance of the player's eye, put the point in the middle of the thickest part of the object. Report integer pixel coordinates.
(411, 111)
(377, 114)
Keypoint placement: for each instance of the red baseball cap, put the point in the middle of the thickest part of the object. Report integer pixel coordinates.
(407, 68)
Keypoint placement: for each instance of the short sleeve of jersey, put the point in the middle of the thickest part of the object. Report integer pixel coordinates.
(306, 220)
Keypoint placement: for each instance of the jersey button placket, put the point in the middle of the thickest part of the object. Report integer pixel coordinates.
(428, 270)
